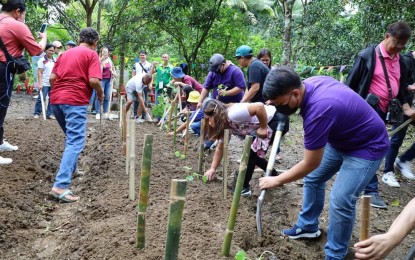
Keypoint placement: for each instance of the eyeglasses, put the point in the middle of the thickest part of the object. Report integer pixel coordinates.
(238, 57)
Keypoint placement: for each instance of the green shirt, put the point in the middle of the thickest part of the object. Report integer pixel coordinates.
(163, 75)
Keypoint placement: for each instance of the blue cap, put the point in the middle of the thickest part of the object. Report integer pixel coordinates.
(72, 43)
(177, 73)
(243, 51)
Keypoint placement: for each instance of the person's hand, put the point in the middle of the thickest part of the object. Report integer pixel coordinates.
(262, 132)
(199, 105)
(222, 92)
(411, 88)
(376, 247)
(177, 83)
(100, 97)
(40, 87)
(409, 113)
(170, 133)
(42, 35)
(268, 102)
(268, 182)
(211, 174)
(155, 63)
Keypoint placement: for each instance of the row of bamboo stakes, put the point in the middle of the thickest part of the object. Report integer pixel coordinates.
(178, 186)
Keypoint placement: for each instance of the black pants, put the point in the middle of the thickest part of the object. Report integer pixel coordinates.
(254, 159)
(5, 95)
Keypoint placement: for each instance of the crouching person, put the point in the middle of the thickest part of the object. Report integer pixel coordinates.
(343, 135)
(134, 89)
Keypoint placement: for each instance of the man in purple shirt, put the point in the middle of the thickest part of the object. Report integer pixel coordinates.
(226, 80)
(343, 135)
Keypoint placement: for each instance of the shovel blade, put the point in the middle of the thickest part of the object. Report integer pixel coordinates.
(259, 212)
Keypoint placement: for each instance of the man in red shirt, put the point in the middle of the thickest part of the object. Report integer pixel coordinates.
(72, 81)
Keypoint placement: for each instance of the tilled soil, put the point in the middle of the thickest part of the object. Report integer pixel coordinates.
(102, 224)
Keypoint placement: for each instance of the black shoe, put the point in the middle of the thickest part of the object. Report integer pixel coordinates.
(246, 192)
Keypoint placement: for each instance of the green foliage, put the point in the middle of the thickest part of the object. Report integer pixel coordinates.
(158, 110)
(194, 175)
(241, 255)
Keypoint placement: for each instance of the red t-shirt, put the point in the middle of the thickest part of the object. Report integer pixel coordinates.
(17, 36)
(192, 82)
(73, 69)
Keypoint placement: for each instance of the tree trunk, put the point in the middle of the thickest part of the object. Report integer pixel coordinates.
(122, 64)
(286, 51)
(99, 17)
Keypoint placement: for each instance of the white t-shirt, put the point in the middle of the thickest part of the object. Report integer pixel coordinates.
(47, 67)
(139, 70)
(135, 84)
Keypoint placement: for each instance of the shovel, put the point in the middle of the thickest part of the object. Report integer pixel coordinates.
(270, 166)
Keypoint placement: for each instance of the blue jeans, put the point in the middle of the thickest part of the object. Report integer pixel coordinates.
(195, 126)
(72, 120)
(353, 174)
(106, 88)
(38, 105)
(395, 143)
(92, 100)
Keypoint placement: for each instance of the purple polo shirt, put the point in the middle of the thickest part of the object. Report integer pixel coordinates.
(333, 113)
(231, 78)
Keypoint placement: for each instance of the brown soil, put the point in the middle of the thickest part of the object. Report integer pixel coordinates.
(102, 224)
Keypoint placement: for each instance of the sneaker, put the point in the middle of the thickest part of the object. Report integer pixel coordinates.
(213, 146)
(239, 161)
(295, 232)
(389, 179)
(5, 160)
(51, 117)
(106, 116)
(36, 116)
(246, 192)
(404, 168)
(139, 120)
(377, 202)
(8, 147)
(97, 116)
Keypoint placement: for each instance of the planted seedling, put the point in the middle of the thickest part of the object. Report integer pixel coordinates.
(194, 175)
(178, 154)
(241, 255)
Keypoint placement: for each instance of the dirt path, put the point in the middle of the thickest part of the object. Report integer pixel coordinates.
(102, 224)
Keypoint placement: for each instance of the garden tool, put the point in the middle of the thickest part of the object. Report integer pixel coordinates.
(268, 172)
(42, 101)
(407, 122)
(193, 119)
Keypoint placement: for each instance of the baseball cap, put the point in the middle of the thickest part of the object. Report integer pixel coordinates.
(193, 97)
(72, 43)
(215, 61)
(243, 51)
(57, 44)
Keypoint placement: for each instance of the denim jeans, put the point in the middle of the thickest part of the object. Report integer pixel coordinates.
(395, 143)
(6, 86)
(92, 100)
(72, 120)
(38, 105)
(353, 174)
(106, 88)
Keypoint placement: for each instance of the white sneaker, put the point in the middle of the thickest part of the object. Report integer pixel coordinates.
(36, 116)
(389, 179)
(139, 120)
(404, 168)
(106, 116)
(5, 160)
(8, 147)
(97, 116)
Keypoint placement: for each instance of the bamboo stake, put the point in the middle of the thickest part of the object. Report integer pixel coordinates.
(364, 232)
(236, 196)
(179, 98)
(127, 141)
(201, 145)
(172, 105)
(131, 185)
(124, 131)
(122, 112)
(225, 163)
(175, 125)
(177, 199)
(186, 140)
(144, 190)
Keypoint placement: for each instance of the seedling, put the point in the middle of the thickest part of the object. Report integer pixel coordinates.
(241, 255)
(178, 154)
(194, 175)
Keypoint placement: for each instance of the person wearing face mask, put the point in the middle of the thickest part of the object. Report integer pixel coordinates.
(16, 37)
(75, 74)
(343, 136)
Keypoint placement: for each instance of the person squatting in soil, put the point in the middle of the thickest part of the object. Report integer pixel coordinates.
(241, 119)
(77, 71)
(143, 66)
(343, 135)
(379, 246)
(134, 90)
(368, 79)
(44, 69)
(16, 37)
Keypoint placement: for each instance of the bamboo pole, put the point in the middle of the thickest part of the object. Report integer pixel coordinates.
(179, 98)
(172, 105)
(186, 139)
(201, 145)
(364, 232)
(175, 126)
(127, 142)
(177, 199)
(124, 131)
(121, 108)
(225, 163)
(144, 190)
(131, 185)
(236, 196)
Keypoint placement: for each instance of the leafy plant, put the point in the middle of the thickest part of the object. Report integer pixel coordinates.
(178, 154)
(158, 110)
(241, 255)
(194, 175)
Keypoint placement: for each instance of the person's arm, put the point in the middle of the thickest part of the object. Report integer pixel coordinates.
(39, 78)
(251, 93)
(153, 68)
(233, 92)
(217, 157)
(379, 246)
(52, 78)
(95, 83)
(202, 97)
(258, 110)
(311, 161)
